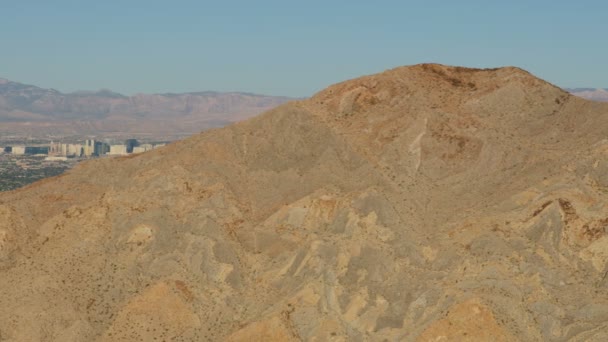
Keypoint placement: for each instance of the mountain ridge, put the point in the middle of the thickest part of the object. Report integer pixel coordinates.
(593, 94)
(104, 91)
(31, 110)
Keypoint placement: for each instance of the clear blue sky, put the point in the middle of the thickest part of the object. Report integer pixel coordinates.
(291, 47)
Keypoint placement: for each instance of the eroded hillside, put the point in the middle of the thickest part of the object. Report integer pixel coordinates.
(420, 204)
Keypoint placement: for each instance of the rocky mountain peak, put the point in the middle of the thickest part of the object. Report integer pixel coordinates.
(434, 86)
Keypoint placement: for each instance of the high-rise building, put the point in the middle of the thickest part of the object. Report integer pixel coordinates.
(118, 150)
(66, 150)
(100, 148)
(131, 143)
(89, 148)
(75, 150)
(18, 150)
(55, 149)
(142, 148)
(36, 150)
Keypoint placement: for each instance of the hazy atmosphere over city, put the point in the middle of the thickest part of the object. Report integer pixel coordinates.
(303, 171)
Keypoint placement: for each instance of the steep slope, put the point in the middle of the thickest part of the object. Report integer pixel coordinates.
(420, 204)
(28, 109)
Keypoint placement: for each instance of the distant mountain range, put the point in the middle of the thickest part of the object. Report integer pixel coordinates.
(594, 94)
(34, 111)
(28, 109)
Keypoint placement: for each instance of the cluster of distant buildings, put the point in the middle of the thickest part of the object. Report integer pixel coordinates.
(90, 148)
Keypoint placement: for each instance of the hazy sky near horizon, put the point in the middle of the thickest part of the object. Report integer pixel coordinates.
(292, 48)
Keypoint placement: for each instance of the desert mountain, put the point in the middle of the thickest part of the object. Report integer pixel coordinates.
(425, 203)
(33, 110)
(591, 93)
